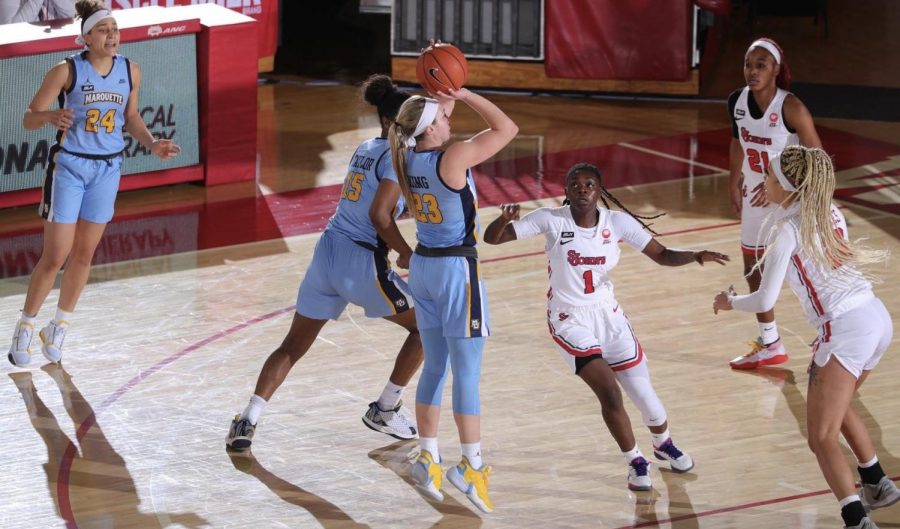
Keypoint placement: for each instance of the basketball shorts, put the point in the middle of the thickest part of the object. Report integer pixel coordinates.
(450, 295)
(343, 272)
(80, 188)
(593, 330)
(755, 225)
(857, 339)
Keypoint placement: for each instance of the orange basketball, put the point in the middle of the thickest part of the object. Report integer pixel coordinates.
(441, 67)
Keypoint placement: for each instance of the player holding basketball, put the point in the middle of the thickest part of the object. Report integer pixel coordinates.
(445, 277)
(98, 94)
(812, 250)
(765, 118)
(350, 265)
(588, 325)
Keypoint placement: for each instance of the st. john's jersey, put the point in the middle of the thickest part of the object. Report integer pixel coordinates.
(580, 259)
(761, 136)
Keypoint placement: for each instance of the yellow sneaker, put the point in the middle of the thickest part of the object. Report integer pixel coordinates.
(473, 483)
(427, 476)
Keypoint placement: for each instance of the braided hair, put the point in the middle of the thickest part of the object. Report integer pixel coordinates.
(811, 172)
(584, 167)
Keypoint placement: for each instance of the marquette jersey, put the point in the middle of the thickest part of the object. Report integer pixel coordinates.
(580, 259)
(371, 163)
(444, 217)
(761, 137)
(99, 103)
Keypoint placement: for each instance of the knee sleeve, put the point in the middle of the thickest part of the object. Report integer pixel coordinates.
(636, 383)
(465, 360)
(434, 368)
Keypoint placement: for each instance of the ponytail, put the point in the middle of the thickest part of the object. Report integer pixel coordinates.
(401, 130)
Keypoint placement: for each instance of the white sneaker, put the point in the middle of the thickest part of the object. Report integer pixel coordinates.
(639, 474)
(52, 337)
(883, 494)
(761, 355)
(678, 460)
(391, 422)
(20, 350)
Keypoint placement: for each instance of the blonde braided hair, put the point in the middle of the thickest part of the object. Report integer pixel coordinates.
(811, 172)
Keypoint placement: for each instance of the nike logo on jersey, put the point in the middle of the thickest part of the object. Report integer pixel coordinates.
(570, 235)
(565, 242)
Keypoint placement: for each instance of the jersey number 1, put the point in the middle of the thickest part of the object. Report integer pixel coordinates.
(588, 282)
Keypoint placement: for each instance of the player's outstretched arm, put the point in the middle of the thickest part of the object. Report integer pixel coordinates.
(669, 257)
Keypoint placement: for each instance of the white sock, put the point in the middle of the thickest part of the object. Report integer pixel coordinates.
(768, 332)
(848, 500)
(868, 464)
(390, 396)
(27, 319)
(630, 455)
(472, 451)
(659, 438)
(62, 315)
(431, 445)
(254, 409)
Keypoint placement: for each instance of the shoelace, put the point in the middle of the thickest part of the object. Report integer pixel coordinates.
(639, 464)
(24, 337)
(483, 474)
(755, 347)
(670, 449)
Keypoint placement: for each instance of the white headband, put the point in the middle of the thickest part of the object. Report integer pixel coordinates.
(775, 164)
(89, 24)
(766, 45)
(427, 118)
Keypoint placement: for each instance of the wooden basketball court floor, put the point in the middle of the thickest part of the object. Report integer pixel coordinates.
(129, 432)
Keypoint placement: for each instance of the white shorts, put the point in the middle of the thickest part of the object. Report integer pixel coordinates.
(592, 330)
(857, 339)
(753, 221)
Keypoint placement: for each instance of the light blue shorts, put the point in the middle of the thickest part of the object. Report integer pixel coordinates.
(343, 272)
(449, 295)
(80, 188)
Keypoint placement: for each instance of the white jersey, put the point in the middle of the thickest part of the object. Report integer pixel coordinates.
(824, 293)
(761, 138)
(580, 259)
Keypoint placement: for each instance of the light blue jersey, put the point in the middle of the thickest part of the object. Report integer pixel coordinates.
(99, 103)
(444, 273)
(444, 217)
(84, 167)
(371, 163)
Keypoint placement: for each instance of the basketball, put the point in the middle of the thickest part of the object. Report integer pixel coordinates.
(441, 67)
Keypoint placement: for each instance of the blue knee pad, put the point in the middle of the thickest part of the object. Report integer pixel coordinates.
(434, 369)
(465, 360)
